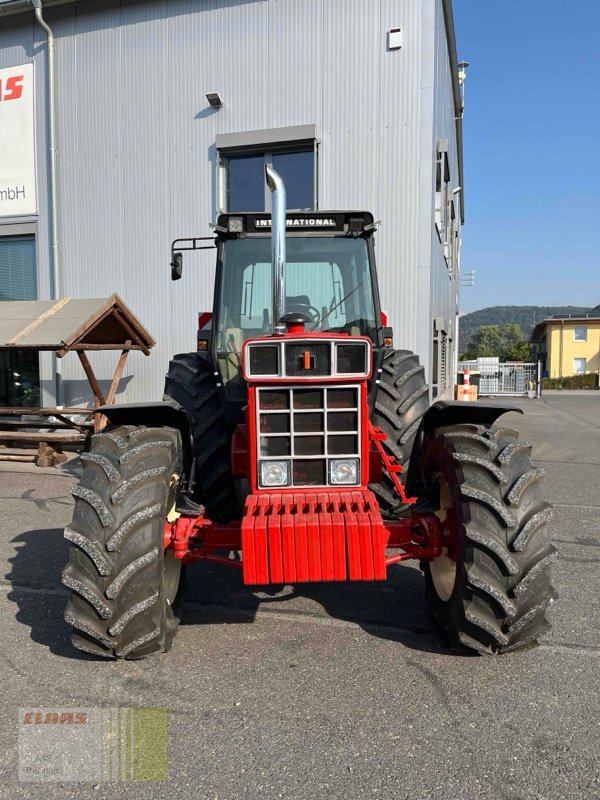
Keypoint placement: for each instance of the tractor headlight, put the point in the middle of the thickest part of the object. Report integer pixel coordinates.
(274, 473)
(343, 470)
(235, 224)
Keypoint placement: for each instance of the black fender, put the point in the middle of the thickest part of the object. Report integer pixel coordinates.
(438, 415)
(165, 414)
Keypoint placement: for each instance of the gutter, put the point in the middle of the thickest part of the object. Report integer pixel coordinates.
(458, 104)
(8, 7)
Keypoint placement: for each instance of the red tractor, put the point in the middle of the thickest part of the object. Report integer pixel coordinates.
(297, 445)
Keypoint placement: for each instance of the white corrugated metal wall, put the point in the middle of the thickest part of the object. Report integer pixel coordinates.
(443, 283)
(136, 144)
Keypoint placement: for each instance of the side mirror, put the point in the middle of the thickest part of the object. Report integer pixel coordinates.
(176, 266)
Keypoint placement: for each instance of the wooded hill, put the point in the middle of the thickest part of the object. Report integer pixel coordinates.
(525, 316)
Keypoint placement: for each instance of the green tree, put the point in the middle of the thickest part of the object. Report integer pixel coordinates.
(515, 346)
(486, 341)
(516, 351)
(506, 342)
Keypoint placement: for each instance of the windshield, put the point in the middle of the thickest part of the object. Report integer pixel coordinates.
(327, 278)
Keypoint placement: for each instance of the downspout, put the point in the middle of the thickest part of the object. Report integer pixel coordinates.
(560, 360)
(55, 260)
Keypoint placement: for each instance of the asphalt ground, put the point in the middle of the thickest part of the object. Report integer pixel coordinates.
(338, 691)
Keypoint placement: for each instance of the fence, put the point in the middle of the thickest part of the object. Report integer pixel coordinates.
(507, 379)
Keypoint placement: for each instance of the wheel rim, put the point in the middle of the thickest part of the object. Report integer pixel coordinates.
(171, 576)
(171, 565)
(443, 568)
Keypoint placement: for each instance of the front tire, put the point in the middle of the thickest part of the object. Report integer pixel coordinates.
(126, 590)
(402, 399)
(490, 588)
(191, 382)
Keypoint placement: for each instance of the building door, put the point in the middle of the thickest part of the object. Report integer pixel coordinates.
(19, 370)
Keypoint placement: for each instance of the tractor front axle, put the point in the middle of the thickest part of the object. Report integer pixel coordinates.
(297, 538)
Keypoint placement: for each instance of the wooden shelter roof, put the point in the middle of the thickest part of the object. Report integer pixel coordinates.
(101, 323)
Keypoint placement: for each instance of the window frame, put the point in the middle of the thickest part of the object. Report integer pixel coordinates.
(269, 142)
(449, 235)
(442, 182)
(580, 328)
(455, 248)
(12, 358)
(24, 230)
(581, 371)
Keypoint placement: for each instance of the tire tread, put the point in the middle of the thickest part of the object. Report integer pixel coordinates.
(501, 603)
(402, 399)
(117, 605)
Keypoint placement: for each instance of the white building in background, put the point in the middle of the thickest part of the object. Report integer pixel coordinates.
(356, 102)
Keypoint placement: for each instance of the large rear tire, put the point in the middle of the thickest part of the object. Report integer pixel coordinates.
(490, 589)
(191, 382)
(126, 590)
(402, 399)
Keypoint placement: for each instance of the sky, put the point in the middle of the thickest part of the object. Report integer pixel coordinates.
(531, 151)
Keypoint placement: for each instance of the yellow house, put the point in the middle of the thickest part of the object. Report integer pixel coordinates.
(568, 345)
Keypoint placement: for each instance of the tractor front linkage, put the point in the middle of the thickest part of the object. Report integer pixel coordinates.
(319, 536)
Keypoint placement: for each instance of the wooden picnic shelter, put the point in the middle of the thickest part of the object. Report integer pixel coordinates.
(79, 325)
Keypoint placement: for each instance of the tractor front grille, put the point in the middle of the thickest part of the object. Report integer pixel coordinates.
(308, 359)
(304, 428)
(270, 358)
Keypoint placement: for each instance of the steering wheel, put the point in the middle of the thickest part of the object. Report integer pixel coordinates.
(306, 308)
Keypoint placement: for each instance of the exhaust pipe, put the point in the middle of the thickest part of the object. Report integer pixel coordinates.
(277, 187)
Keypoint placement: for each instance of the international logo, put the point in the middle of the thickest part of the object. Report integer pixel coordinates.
(301, 222)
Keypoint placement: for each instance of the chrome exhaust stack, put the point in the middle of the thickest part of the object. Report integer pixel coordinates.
(278, 230)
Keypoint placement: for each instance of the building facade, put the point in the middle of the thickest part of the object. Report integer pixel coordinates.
(356, 102)
(568, 345)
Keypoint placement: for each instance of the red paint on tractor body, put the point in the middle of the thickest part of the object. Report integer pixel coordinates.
(389, 463)
(295, 538)
(322, 536)
(296, 534)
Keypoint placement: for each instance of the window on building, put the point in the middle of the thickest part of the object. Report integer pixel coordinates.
(19, 371)
(17, 268)
(449, 236)
(579, 366)
(291, 151)
(245, 179)
(455, 247)
(245, 190)
(442, 179)
(580, 334)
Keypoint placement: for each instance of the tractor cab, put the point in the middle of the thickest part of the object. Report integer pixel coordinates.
(328, 279)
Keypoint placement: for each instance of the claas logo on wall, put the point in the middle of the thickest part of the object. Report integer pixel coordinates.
(18, 193)
(11, 88)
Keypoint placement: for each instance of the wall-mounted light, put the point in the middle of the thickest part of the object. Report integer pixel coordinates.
(214, 99)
